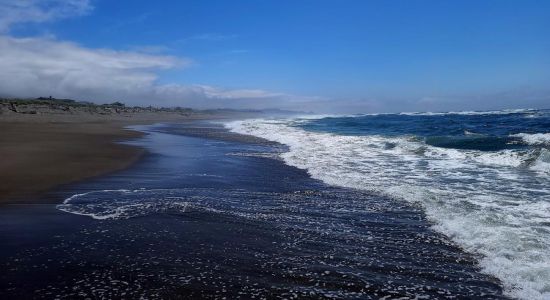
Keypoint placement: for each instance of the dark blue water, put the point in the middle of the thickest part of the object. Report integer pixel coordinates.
(477, 131)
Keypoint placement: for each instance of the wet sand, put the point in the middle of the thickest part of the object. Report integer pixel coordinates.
(40, 152)
(39, 156)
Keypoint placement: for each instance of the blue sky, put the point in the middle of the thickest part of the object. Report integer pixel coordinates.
(327, 56)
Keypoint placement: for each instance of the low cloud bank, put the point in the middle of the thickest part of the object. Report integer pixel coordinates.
(33, 67)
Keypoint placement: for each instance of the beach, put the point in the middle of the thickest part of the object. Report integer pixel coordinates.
(59, 146)
(274, 150)
(211, 214)
(39, 156)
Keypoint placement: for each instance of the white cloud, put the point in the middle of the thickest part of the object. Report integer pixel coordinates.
(37, 11)
(33, 67)
(219, 93)
(42, 66)
(212, 37)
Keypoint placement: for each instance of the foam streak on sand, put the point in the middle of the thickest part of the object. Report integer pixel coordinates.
(493, 203)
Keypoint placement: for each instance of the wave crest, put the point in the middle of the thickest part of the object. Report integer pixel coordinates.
(534, 138)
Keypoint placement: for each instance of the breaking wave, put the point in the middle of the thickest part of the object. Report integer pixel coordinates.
(534, 138)
(493, 203)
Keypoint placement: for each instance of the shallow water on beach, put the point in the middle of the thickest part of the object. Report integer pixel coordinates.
(224, 217)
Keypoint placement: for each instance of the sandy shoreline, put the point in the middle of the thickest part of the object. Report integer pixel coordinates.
(210, 218)
(40, 152)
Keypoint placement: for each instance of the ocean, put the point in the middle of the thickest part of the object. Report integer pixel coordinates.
(482, 178)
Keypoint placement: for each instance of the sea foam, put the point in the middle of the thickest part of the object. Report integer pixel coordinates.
(534, 138)
(496, 204)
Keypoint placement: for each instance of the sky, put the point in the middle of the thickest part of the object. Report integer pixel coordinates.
(323, 56)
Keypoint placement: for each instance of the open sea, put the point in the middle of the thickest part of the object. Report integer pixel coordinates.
(482, 178)
(389, 206)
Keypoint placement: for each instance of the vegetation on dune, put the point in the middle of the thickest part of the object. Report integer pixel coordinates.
(52, 105)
